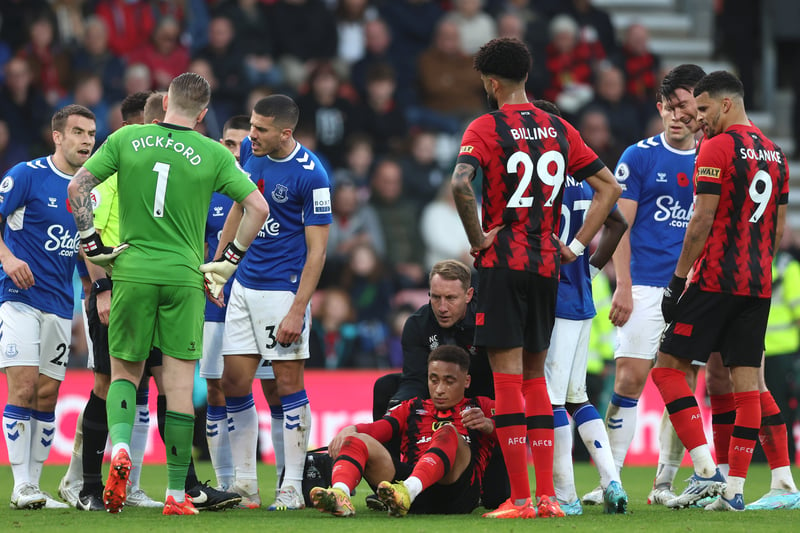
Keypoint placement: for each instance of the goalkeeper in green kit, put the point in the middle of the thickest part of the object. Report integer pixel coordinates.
(166, 175)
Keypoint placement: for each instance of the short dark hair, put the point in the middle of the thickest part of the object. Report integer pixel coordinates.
(59, 120)
(237, 122)
(683, 76)
(279, 106)
(381, 72)
(547, 105)
(504, 57)
(718, 83)
(450, 354)
(133, 104)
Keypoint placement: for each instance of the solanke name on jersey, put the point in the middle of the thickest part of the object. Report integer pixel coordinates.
(167, 143)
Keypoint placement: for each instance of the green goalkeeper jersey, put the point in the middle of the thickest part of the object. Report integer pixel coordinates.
(166, 175)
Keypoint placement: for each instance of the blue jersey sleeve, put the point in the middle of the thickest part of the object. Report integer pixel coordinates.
(317, 197)
(245, 151)
(15, 189)
(628, 173)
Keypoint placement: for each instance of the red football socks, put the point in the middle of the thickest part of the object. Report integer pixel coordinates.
(436, 462)
(745, 432)
(681, 406)
(349, 465)
(510, 426)
(773, 434)
(539, 419)
(723, 415)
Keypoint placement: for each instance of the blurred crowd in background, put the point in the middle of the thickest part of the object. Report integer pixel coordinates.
(385, 88)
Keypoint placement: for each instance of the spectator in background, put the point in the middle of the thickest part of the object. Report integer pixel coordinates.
(334, 333)
(595, 130)
(303, 32)
(609, 95)
(351, 19)
(523, 22)
(449, 90)
(16, 16)
(328, 113)
(379, 116)
(354, 223)
(93, 55)
(400, 223)
(475, 26)
(422, 175)
(130, 24)
(48, 61)
(212, 122)
(569, 62)
(412, 23)
(24, 108)
(164, 55)
(377, 41)
(70, 18)
(251, 22)
(641, 70)
(88, 92)
(11, 151)
(226, 60)
(370, 290)
(442, 231)
(595, 27)
(359, 157)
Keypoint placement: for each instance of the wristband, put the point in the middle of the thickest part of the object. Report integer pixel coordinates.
(101, 285)
(577, 247)
(232, 253)
(85, 234)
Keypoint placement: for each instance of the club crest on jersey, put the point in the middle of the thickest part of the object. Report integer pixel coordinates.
(7, 184)
(280, 193)
(433, 342)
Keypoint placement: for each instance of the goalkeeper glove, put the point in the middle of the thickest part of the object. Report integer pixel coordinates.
(217, 273)
(95, 251)
(669, 302)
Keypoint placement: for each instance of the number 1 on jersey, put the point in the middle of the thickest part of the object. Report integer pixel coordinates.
(162, 169)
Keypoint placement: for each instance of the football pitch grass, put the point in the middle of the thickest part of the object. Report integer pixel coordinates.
(637, 481)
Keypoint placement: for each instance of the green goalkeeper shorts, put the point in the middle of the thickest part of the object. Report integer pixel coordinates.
(141, 313)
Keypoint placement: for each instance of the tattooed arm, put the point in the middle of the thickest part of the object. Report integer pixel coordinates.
(467, 208)
(80, 199)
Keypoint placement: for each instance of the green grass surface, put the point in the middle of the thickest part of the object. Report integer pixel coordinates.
(637, 482)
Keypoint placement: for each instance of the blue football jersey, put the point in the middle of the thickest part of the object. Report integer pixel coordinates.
(217, 213)
(574, 284)
(41, 231)
(659, 178)
(298, 192)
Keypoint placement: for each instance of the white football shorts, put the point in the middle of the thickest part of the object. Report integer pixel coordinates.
(640, 337)
(251, 324)
(29, 337)
(565, 366)
(212, 362)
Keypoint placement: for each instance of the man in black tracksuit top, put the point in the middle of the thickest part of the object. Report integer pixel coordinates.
(448, 319)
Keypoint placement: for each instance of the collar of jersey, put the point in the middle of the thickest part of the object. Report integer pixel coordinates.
(666, 145)
(55, 170)
(297, 147)
(173, 126)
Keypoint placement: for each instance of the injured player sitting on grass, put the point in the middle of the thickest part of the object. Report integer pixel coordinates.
(446, 442)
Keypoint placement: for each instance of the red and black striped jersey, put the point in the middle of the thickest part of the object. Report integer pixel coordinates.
(416, 420)
(525, 154)
(749, 173)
